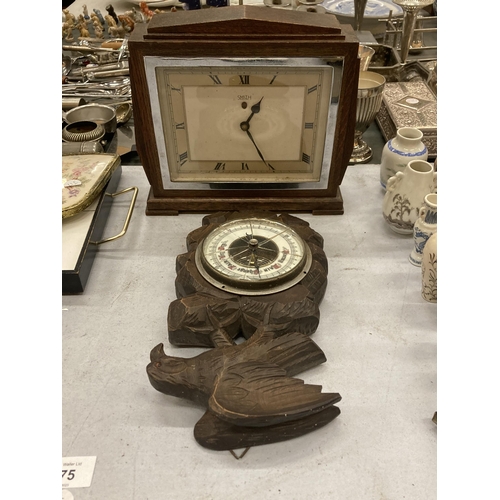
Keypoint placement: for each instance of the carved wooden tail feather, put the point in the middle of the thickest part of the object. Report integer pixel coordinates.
(213, 433)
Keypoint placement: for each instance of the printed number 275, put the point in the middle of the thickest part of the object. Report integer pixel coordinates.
(71, 473)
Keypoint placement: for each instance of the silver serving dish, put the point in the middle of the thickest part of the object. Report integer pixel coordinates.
(98, 113)
(386, 62)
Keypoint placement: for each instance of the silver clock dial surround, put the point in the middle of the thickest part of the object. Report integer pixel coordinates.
(253, 256)
(215, 178)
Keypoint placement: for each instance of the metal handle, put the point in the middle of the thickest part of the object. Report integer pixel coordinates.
(129, 215)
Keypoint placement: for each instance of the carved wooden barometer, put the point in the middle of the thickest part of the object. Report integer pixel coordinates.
(244, 105)
(259, 277)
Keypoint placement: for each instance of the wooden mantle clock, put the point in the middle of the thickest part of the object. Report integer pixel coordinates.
(244, 107)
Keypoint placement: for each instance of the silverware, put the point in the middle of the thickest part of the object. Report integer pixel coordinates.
(93, 112)
(368, 103)
(87, 49)
(359, 12)
(83, 131)
(100, 67)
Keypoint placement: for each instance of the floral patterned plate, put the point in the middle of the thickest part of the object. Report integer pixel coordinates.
(373, 9)
(83, 178)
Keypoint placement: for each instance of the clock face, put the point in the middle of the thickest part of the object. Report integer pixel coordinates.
(244, 123)
(253, 256)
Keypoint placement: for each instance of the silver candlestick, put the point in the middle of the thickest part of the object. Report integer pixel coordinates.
(359, 12)
(410, 12)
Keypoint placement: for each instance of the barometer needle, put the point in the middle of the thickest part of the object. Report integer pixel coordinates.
(269, 239)
(258, 270)
(246, 249)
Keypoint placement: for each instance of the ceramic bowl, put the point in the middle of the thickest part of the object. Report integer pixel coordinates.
(98, 113)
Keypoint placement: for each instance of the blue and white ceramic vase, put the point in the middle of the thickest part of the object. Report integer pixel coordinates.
(429, 269)
(424, 228)
(405, 195)
(399, 151)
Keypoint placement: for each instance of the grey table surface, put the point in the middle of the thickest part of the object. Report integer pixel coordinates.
(378, 334)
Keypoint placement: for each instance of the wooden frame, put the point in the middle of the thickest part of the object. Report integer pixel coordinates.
(244, 31)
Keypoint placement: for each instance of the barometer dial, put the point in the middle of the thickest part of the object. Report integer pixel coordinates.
(253, 256)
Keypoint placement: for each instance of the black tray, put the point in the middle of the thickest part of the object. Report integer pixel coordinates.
(74, 280)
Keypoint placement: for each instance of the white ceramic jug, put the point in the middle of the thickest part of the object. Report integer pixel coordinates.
(399, 151)
(405, 195)
(429, 270)
(424, 228)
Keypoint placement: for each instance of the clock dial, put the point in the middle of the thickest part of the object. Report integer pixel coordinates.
(253, 257)
(244, 123)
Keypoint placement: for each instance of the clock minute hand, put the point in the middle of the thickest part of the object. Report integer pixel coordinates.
(245, 126)
(256, 147)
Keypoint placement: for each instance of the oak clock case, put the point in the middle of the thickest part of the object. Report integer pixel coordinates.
(249, 105)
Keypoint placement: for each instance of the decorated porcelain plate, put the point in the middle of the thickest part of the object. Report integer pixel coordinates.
(152, 4)
(373, 9)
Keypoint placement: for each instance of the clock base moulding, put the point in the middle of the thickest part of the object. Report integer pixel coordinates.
(317, 205)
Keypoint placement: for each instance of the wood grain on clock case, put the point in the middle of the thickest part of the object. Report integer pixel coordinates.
(248, 32)
(294, 309)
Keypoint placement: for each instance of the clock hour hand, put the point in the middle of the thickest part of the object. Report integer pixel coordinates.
(255, 109)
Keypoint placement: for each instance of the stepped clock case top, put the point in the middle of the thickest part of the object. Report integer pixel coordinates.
(244, 107)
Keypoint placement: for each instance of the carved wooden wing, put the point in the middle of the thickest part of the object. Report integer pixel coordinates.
(260, 394)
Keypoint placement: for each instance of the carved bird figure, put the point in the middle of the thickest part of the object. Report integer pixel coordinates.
(249, 385)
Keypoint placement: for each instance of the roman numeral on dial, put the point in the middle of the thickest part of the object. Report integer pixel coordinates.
(244, 79)
(183, 158)
(244, 166)
(215, 79)
(306, 158)
(220, 166)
